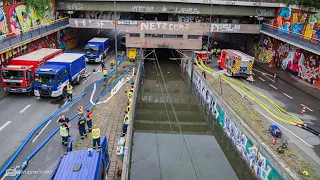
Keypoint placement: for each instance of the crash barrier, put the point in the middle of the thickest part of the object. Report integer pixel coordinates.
(128, 142)
(263, 161)
(18, 151)
(24, 165)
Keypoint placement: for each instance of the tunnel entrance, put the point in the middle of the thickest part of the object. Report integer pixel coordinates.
(172, 139)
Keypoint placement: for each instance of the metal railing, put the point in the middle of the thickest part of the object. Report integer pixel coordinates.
(34, 32)
(299, 39)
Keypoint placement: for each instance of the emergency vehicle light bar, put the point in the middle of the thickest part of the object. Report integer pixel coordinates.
(11, 66)
(46, 70)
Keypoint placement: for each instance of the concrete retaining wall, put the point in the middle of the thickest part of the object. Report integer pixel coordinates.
(263, 161)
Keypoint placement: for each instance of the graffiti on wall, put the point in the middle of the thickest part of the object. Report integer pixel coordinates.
(189, 18)
(250, 152)
(3, 24)
(163, 26)
(100, 15)
(20, 20)
(67, 39)
(298, 23)
(261, 47)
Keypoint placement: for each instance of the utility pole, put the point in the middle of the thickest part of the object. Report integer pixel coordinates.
(192, 61)
(209, 34)
(115, 37)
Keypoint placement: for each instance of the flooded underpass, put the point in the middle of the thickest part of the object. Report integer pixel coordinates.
(172, 138)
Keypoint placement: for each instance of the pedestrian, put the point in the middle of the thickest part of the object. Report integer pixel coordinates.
(204, 75)
(102, 64)
(80, 112)
(89, 120)
(125, 124)
(66, 120)
(96, 136)
(69, 92)
(82, 127)
(105, 73)
(64, 133)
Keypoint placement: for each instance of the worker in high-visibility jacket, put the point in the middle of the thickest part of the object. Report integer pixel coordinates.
(64, 133)
(218, 52)
(214, 51)
(105, 72)
(112, 62)
(69, 92)
(126, 122)
(96, 137)
(130, 93)
(89, 120)
(82, 127)
(81, 111)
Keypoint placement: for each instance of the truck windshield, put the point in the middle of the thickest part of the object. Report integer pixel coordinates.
(92, 50)
(9, 74)
(45, 78)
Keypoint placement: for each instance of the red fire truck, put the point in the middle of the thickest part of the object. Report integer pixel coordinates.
(203, 55)
(18, 76)
(236, 62)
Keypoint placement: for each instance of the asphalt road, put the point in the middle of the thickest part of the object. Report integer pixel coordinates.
(26, 112)
(291, 100)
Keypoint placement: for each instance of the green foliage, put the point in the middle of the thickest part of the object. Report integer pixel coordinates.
(304, 4)
(40, 6)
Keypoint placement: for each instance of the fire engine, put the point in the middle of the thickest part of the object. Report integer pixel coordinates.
(18, 76)
(203, 55)
(236, 62)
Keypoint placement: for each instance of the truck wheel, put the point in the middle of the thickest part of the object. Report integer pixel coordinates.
(64, 93)
(78, 80)
(31, 93)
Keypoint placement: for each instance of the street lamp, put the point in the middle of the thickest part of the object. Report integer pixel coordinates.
(115, 38)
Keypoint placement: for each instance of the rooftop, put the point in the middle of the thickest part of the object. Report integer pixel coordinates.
(38, 54)
(66, 57)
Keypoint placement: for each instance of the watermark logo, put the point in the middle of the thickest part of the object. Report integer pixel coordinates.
(13, 171)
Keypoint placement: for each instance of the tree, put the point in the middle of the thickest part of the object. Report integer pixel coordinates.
(304, 4)
(40, 6)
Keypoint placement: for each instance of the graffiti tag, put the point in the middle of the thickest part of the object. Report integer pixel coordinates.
(127, 22)
(91, 23)
(225, 27)
(181, 10)
(163, 26)
(265, 12)
(142, 9)
(75, 6)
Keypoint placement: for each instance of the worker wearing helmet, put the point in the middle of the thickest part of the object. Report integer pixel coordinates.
(81, 111)
(126, 122)
(89, 120)
(69, 92)
(105, 72)
(64, 133)
(82, 127)
(96, 136)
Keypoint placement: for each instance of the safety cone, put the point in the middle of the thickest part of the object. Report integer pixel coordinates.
(303, 111)
(274, 76)
(274, 141)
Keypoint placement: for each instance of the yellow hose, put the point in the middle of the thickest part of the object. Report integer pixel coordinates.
(277, 112)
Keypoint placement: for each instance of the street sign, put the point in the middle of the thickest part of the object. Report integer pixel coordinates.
(219, 72)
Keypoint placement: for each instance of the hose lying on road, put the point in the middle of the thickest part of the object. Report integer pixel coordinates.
(18, 151)
(281, 115)
(25, 163)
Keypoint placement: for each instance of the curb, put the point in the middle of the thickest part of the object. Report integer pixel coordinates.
(4, 95)
(302, 90)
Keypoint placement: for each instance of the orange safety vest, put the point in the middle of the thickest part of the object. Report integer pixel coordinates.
(80, 110)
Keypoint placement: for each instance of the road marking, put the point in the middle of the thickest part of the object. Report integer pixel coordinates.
(41, 131)
(287, 95)
(5, 175)
(283, 128)
(306, 107)
(269, 78)
(112, 51)
(273, 86)
(261, 79)
(25, 108)
(86, 80)
(73, 94)
(5, 124)
(107, 57)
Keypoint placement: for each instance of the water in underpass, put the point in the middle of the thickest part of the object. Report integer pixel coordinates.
(172, 138)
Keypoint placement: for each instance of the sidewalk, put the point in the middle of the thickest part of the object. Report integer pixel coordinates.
(291, 80)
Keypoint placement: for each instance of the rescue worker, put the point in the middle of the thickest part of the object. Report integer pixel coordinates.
(102, 64)
(128, 106)
(80, 112)
(82, 127)
(69, 92)
(112, 63)
(214, 52)
(125, 124)
(64, 133)
(129, 93)
(96, 136)
(89, 120)
(66, 120)
(105, 72)
(218, 52)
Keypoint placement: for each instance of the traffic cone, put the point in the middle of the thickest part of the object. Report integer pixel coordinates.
(303, 111)
(274, 141)
(274, 76)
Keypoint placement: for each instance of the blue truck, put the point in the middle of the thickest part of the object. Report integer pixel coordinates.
(96, 49)
(83, 164)
(52, 78)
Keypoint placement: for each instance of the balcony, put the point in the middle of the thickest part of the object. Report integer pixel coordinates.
(297, 40)
(35, 33)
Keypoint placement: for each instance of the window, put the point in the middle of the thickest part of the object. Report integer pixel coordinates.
(157, 35)
(148, 35)
(174, 36)
(193, 37)
(134, 35)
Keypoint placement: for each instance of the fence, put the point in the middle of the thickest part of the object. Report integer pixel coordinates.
(33, 33)
(292, 37)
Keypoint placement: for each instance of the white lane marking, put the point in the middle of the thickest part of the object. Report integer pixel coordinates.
(107, 57)
(41, 131)
(73, 94)
(65, 103)
(112, 51)
(38, 97)
(287, 95)
(119, 32)
(5, 175)
(261, 79)
(306, 107)
(5, 124)
(283, 128)
(269, 78)
(86, 80)
(25, 108)
(259, 71)
(273, 86)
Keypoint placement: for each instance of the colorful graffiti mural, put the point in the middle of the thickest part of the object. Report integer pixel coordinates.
(298, 23)
(20, 20)
(261, 47)
(3, 24)
(67, 39)
(249, 151)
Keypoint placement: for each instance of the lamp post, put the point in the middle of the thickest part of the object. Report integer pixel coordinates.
(209, 33)
(115, 37)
